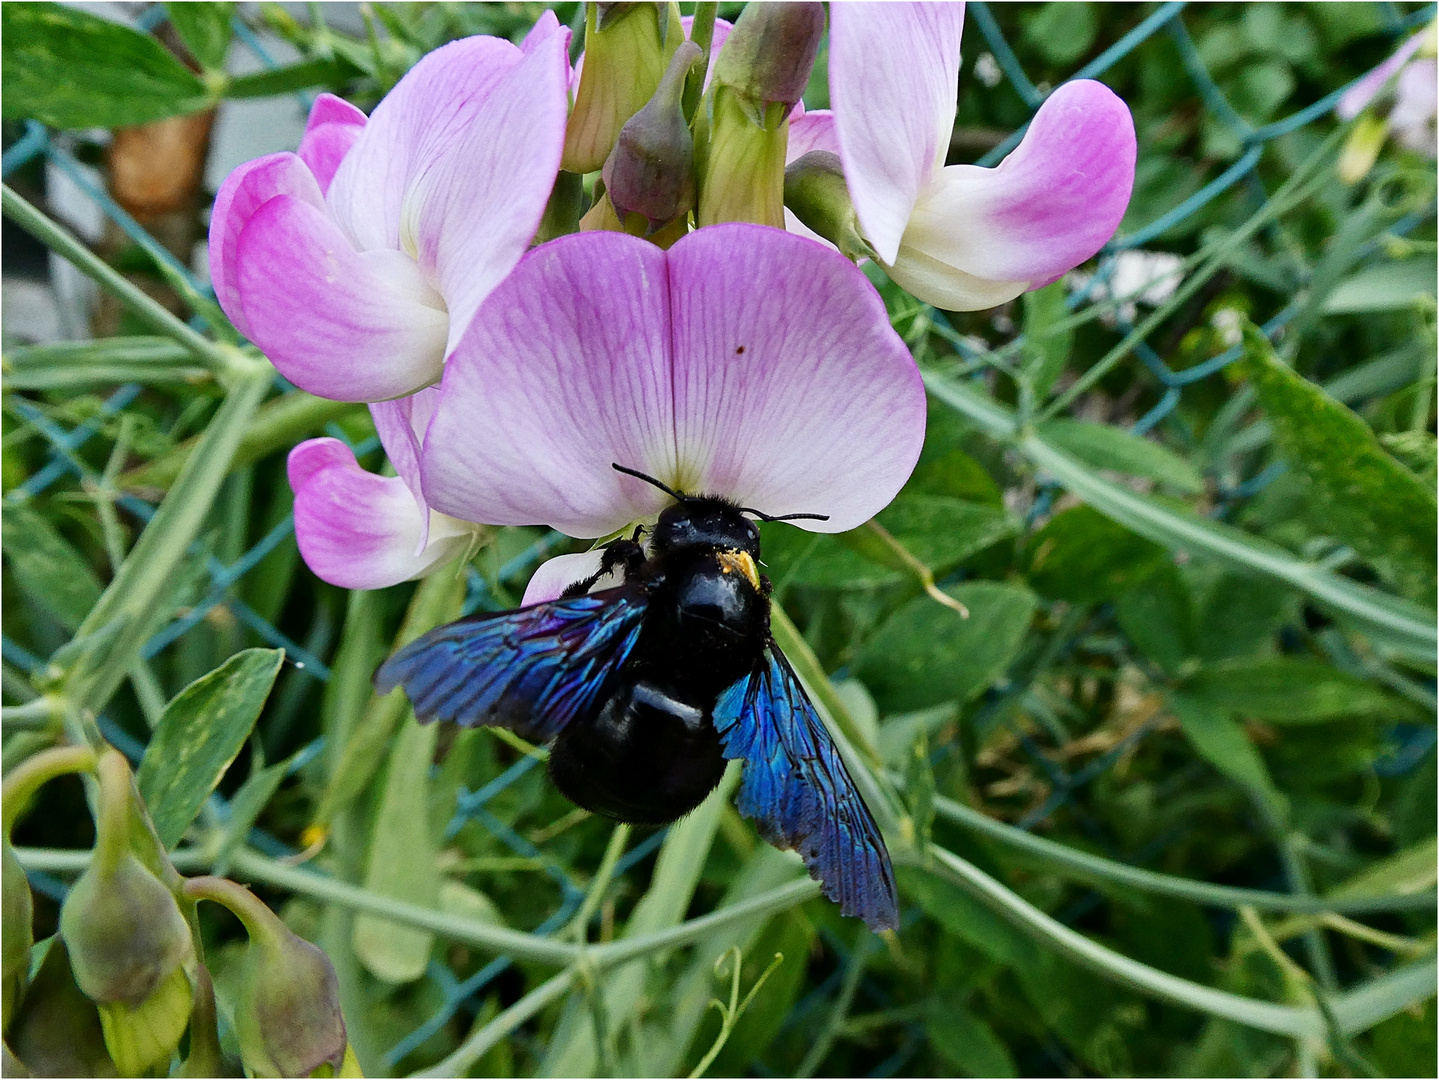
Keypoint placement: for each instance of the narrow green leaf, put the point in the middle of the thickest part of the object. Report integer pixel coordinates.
(47, 567)
(245, 809)
(1389, 286)
(75, 364)
(139, 592)
(287, 80)
(1221, 741)
(205, 28)
(574, 1051)
(1409, 871)
(1356, 491)
(201, 731)
(1290, 690)
(401, 861)
(967, 1042)
(926, 653)
(70, 69)
(1103, 447)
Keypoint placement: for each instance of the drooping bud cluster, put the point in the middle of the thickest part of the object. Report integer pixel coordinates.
(288, 1014)
(129, 942)
(122, 982)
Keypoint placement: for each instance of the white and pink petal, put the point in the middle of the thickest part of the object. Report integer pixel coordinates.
(894, 82)
(1046, 208)
(243, 192)
(330, 132)
(357, 530)
(342, 324)
(563, 371)
(792, 392)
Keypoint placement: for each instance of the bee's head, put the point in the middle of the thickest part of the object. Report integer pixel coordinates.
(698, 521)
(706, 521)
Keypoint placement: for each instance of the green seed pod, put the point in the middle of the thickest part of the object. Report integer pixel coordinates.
(650, 172)
(287, 1015)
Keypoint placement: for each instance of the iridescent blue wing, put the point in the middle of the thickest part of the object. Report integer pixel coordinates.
(798, 791)
(532, 670)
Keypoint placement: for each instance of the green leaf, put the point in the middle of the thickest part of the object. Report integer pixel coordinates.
(287, 80)
(938, 530)
(69, 69)
(246, 806)
(205, 29)
(926, 653)
(401, 861)
(1103, 447)
(1063, 32)
(1220, 740)
(1158, 618)
(1046, 349)
(1388, 286)
(201, 731)
(1409, 871)
(967, 1042)
(47, 567)
(1356, 491)
(70, 365)
(1290, 690)
(1399, 625)
(1083, 557)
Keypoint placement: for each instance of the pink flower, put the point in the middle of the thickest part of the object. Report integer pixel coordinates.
(356, 263)
(959, 236)
(744, 362)
(362, 531)
(1412, 83)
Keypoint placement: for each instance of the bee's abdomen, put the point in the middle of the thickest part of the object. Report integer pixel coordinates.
(648, 758)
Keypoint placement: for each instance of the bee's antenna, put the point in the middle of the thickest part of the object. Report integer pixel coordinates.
(783, 517)
(650, 480)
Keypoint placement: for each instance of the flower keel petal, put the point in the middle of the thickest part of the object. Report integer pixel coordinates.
(357, 530)
(1044, 209)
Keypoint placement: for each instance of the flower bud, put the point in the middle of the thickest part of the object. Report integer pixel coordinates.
(56, 1030)
(127, 939)
(650, 172)
(287, 1015)
(815, 192)
(627, 47)
(769, 55)
(742, 170)
(17, 932)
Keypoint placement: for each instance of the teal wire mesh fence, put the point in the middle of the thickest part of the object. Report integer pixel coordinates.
(66, 468)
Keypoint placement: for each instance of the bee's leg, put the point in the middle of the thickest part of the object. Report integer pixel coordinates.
(622, 554)
(766, 586)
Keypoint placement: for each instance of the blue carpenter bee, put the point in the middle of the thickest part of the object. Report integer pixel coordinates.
(648, 688)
